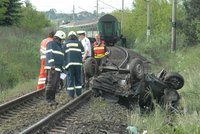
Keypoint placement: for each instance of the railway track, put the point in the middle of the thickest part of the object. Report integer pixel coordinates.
(67, 118)
(117, 56)
(53, 120)
(26, 110)
(19, 101)
(11, 108)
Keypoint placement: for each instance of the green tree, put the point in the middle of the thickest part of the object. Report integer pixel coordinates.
(13, 13)
(3, 9)
(192, 21)
(128, 26)
(32, 19)
(135, 20)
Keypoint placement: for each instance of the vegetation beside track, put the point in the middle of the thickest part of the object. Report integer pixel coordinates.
(19, 59)
(185, 61)
(20, 89)
(21, 31)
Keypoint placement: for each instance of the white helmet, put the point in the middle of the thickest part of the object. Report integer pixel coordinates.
(71, 33)
(60, 34)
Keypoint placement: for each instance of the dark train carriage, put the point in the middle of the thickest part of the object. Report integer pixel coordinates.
(109, 29)
(107, 26)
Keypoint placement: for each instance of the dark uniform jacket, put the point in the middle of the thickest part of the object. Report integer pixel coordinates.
(54, 56)
(73, 50)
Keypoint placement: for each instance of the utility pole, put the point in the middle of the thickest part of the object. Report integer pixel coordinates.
(148, 20)
(173, 45)
(73, 13)
(97, 9)
(122, 19)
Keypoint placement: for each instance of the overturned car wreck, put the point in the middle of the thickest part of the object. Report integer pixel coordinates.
(135, 86)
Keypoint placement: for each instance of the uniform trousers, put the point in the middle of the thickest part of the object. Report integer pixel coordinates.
(53, 79)
(74, 80)
(42, 77)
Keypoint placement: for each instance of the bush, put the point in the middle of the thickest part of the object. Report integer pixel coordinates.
(8, 76)
(159, 47)
(19, 59)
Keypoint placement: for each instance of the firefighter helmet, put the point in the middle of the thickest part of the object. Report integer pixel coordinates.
(71, 33)
(60, 34)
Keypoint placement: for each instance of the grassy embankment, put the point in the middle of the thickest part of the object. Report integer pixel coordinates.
(19, 61)
(185, 61)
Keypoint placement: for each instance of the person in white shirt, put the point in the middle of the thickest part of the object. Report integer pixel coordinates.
(86, 44)
(87, 53)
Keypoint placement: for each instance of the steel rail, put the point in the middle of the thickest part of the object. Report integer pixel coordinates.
(50, 119)
(13, 103)
(123, 64)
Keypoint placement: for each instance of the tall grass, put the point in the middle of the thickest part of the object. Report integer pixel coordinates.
(19, 55)
(158, 123)
(20, 89)
(185, 61)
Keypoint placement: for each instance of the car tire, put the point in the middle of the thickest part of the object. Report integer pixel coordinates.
(174, 80)
(90, 67)
(136, 69)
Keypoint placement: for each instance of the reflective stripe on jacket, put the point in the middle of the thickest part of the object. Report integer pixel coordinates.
(99, 50)
(73, 50)
(54, 56)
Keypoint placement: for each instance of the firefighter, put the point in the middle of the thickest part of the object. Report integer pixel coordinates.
(73, 50)
(42, 77)
(53, 65)
(99, 49)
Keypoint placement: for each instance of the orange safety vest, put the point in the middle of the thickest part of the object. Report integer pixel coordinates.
(43, 75)
(99, 50)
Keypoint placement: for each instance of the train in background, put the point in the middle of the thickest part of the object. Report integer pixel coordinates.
(109, 29)
(107, 26)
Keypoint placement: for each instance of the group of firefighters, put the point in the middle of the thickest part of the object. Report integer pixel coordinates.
(61, 53)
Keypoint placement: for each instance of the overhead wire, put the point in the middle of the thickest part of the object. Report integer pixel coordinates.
(82, 8)
(109, 5)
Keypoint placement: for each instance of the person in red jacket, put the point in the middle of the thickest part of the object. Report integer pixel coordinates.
(43, 75)
(99, 49)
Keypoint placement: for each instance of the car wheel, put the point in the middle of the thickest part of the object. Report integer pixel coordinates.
(90, 67)
(174, 80)
(137, 69)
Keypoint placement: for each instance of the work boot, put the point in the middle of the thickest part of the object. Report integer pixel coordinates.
(53, 102)
(48, 95)
(48, 102)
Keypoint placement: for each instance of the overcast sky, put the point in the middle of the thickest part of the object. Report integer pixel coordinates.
(66, 6)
